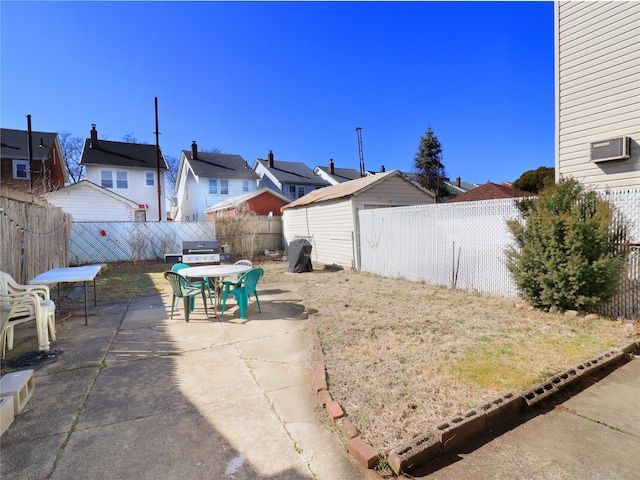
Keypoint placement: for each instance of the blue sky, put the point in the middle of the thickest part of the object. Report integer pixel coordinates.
(293, 77)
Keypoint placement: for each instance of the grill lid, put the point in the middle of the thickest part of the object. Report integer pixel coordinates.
(205, 246)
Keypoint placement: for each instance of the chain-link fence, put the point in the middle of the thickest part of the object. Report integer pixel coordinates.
(463, 245)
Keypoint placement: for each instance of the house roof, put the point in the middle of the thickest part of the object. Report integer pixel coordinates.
(82, 184)
(219, 165)
(121, 154)
(489, 191)
(341, 174)
(350, 188)
(235, 201)
(14, 143)
(296, 173)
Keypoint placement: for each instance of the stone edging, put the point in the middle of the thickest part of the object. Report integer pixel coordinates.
(452, 433)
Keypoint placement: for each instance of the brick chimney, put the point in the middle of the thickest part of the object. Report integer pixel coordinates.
(94, 136)
(194, 150)
(457, 181)
(270, 159)
(331, 168)
(382, 169)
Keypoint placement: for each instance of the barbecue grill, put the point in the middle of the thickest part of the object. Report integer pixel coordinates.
(205, 251)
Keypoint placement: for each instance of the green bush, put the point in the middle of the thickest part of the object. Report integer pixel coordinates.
(566, 254)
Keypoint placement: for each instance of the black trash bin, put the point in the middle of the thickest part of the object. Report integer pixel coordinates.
(300, 256)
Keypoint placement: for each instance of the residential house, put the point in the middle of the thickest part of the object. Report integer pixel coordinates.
(47, 170)
(489, 191)
(452, 189)
(334, 176)
(292, 179)
(328, 217)
(134, 171)
(75, 198)
(259, 202)
(597, 55)
(205, 179)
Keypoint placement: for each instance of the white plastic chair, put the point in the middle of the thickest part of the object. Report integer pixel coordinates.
(20, 308)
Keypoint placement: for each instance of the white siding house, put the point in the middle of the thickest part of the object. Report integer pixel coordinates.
(205, 179)
(88, 202)
(598, 93)
(328, 217)
(292, 179)
(129, 170)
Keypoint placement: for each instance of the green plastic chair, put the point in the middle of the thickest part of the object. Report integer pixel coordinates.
(242, 289)
(179, 266)
(186, 290)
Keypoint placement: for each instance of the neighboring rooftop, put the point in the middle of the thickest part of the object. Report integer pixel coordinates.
(296, 173)
(14, 143)
(121, 154)
(219, 165)
(489, 191)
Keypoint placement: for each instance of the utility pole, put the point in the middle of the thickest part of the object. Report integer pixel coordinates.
(30, 152)
(158, 164)
(360, 152)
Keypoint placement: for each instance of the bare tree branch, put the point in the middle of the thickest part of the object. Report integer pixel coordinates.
(71, 146)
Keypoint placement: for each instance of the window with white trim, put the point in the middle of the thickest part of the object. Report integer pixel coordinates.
(21, 170)
(150, 178)
(245, 186)
(213, 187)
(106, 179)
(122, 180)
(296, 191)
(224, 187)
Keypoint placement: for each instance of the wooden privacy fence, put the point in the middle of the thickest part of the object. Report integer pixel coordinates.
(247, 235)
(462, 245)
(108, 242)
(34, 236)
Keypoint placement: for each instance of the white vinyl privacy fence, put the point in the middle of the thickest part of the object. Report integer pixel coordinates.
(457, 244)
(107, 242)
(463, 245)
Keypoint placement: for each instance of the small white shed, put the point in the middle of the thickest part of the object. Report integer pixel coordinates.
(88, 202)
(328, 217)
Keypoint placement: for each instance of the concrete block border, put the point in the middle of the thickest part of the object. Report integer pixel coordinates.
(452, 433)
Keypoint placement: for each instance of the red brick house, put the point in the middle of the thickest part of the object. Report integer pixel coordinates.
(44, 172)
(260, 202)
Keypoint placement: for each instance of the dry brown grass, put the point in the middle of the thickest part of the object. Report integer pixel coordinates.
(401, 356)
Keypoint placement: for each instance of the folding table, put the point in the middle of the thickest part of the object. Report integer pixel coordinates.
(85, 273)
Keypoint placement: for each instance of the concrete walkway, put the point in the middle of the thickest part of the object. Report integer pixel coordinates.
(135, 395)
(593, 435)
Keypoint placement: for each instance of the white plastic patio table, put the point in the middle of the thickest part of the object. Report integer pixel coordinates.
(84, 274)
(214, 271)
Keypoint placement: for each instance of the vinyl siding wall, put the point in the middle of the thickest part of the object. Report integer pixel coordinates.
(328, 226)
(332, 226)
(597, 90)
(89, 205)
(137, 190)
(392, 192)
(206, 200)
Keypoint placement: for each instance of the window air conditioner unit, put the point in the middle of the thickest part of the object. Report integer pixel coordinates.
(611, 149)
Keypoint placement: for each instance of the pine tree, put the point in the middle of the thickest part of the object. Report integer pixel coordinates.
(428, 164)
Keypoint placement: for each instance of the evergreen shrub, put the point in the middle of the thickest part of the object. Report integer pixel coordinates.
(567, 253)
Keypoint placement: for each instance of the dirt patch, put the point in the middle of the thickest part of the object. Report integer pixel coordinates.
(403, 356)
